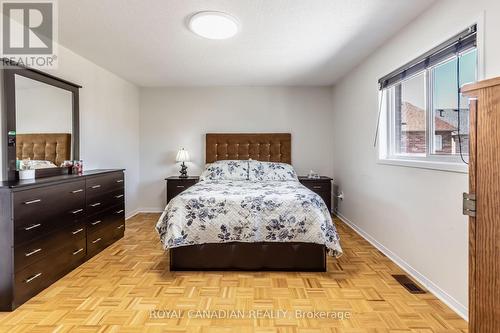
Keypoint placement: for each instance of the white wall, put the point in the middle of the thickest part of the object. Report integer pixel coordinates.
(414, 213)
(179, 117)
(42, 108)
(109, 119)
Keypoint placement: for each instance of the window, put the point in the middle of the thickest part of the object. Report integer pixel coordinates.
(425, 118)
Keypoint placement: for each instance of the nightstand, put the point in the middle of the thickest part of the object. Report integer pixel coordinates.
(176, 185)
(322, 186)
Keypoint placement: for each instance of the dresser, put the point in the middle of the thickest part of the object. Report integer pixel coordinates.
(49, 226)
(322, 186)
(176, 185)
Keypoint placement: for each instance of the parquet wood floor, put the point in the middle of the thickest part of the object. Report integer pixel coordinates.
(116, 291)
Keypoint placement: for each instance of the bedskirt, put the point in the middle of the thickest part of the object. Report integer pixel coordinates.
(259, 256)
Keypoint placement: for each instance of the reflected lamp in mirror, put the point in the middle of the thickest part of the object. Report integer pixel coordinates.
(182, 156)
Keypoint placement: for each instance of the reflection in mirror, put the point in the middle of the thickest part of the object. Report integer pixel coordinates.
(44, 124)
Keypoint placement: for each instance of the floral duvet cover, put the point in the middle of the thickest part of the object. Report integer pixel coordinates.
(245, 211)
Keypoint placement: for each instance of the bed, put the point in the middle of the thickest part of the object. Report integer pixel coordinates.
(248, 212)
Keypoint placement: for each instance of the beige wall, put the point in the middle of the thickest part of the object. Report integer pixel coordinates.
(179, 117)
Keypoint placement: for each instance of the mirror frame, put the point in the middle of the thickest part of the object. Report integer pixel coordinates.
(10, 70)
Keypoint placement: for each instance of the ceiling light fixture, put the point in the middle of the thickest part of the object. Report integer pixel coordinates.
(214, 25)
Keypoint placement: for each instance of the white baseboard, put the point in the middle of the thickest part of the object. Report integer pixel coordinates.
(142, 210)
(132, 214)
(150, 210)
(456, 306)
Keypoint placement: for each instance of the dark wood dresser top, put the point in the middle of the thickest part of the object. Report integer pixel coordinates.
(306, 178)
(186, 178)
(32, 183)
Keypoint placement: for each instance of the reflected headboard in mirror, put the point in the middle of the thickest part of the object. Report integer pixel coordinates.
(41, 117)
(52, 147)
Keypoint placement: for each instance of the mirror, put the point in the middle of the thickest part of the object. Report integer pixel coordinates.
(44, 124)
(41, 123)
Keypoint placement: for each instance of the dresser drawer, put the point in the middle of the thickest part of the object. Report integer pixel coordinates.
(103, 219)
(118, 229)
(31, 252)
(47, 202)
(98, 185)
(41, 274)
(50, 211)
(322, 187)
(318, 186)
(104, 201)
(100, 237)
(175, 187)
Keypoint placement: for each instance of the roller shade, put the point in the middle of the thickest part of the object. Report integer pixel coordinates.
(458, 43)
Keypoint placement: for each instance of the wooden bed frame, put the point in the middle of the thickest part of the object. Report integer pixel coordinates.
(262, 256)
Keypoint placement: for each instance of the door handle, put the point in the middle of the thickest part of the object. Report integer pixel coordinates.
(96, 240)
(29, 254)
(77, 251)
(33, 277)
(77, 231)
(33, 226)
(32, 201)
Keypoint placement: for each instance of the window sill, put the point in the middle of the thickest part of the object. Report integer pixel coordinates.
(431, 165)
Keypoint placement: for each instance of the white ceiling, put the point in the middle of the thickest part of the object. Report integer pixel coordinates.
(281, 42)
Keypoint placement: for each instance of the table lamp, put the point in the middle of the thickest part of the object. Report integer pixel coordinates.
(182, 156)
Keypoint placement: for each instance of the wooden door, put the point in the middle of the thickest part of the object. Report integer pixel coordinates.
(484, 228)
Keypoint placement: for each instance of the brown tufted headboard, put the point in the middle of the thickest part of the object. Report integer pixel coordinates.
(54, 147)
(274, 147)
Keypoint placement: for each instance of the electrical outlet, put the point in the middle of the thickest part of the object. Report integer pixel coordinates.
(341, 195)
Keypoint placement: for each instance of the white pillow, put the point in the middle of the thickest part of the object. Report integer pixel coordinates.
(226, 170)
(265, 171)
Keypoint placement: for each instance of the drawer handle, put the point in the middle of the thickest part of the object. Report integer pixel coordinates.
(77, 251)
(77, 191)
(77, 231)
(33, 277)
(95, 204)
(119, 181)
(318, 187)
(96, 222)
(96, 186)
(121, 227)
(119, 212)
(119, 196)
(32, 201)
(180, 186)
(77, 211)
(33, 226)
(29, 254)
(96, 240)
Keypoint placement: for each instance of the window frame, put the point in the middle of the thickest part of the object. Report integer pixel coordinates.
(428, 160)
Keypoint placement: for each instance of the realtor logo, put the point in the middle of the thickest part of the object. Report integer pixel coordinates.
(29, 32)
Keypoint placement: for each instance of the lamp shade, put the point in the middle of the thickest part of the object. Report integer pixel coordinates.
(182, 156)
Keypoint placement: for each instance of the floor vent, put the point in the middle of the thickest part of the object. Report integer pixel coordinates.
(409, 285)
